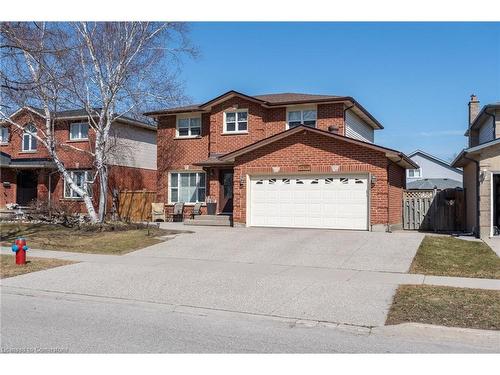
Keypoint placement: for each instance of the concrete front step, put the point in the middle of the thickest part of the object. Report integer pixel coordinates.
(210, 220)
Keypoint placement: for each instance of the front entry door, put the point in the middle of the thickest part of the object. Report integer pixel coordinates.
(226, 193)
(26, 187)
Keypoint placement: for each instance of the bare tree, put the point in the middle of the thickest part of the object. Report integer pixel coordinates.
(109, 69)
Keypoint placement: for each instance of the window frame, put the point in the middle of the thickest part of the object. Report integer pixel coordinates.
(31, 138)
(87, 177)
(301, 109)
(79, 124)
(413, 171)
(236, 121)
(178, 187)
(189, 117)
(7, 133)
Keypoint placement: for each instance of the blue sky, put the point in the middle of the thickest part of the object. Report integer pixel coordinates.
(415, 78)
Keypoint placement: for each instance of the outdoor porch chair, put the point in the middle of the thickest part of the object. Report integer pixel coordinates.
(196, 210)
(158, 212)
(178, 213)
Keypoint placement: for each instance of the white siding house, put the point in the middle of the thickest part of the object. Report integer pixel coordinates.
(356, 128)
(432, 172)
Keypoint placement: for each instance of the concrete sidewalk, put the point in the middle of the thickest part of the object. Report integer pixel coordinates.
(379, 277)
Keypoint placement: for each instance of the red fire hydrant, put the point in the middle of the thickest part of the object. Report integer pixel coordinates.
(20, 249)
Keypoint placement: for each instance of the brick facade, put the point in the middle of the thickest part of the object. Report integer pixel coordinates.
(120, 177)
(320, 152)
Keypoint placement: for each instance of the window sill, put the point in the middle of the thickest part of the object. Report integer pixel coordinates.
(28, 152)
(235, 133)
(71, 199)
(186, 204)
(4, 143)
(189, 137)
(78, 140)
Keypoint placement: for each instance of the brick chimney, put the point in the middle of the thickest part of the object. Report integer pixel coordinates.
(473, 108)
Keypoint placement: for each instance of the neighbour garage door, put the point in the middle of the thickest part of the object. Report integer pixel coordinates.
(337, 202)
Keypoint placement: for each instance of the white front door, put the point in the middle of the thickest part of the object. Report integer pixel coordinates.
(336, 202)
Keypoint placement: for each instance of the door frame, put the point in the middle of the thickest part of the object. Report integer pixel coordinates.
(221, 173)
(19, 178)
(250, 177)
(492, 198)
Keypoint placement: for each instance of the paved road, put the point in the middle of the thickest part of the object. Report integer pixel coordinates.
(335, 276)
(68, 322)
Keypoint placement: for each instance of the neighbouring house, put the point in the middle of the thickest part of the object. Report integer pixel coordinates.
(481, 165)
(432, 173)
(281, 160)
(28, 174)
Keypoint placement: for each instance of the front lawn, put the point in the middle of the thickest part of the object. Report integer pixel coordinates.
(448, 256)
(58, 237)
(10, 268)
(446, 306)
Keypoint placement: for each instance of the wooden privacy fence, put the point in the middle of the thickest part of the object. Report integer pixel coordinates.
(434, 210)
(135, 205)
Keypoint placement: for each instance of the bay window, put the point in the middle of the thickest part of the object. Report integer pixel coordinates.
(236, 121)
(82, 180)
(187, 187)
(78, 131)
(296, 117)
(188, 127)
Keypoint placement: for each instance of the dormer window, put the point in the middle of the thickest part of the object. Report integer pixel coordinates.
(236, 121)
(301, 116)
(29, 138)
(79, 131)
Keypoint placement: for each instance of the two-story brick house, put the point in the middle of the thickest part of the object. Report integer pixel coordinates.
(28, 174)
(481, 165)
(290, 160)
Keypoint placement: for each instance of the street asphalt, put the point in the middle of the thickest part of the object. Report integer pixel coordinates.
(228, 290)
(57, 322)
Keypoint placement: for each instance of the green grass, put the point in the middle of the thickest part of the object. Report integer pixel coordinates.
(9, 268)
(446, 306)
(58, 237)
(448, 256)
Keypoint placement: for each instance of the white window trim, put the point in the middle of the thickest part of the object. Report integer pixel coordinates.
(178, 186)
(187, 116)
(80, 138)
(31, 136)
(236, 131)
(7, 130)
(301, 109)
(419, 173)
(71, 172)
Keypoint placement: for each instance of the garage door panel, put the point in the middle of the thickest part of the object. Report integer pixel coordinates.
(339, 202)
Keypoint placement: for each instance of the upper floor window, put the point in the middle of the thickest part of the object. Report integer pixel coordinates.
(4, 134)
(82, 180)
(78, 131)
(304, 116)
(188, 127)
(414, 173)
(236, 121)
(29, 138)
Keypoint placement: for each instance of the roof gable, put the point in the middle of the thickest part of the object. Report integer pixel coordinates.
(396, 156)
(434, 159)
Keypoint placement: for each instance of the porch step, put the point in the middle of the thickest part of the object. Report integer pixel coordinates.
(210, 220)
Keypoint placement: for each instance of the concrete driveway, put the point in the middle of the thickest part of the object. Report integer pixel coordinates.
(332, 276)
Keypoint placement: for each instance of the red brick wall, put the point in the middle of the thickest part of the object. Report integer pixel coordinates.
(180, 154)
(119, 176)
(320, 153)
(397, 183)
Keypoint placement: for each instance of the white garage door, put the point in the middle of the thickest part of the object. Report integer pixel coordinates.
(337, 202)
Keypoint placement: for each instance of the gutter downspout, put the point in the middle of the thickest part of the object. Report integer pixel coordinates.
(478, 210)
